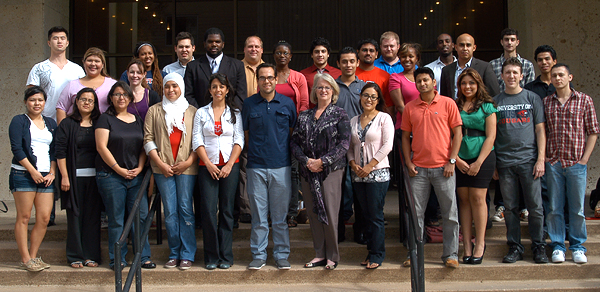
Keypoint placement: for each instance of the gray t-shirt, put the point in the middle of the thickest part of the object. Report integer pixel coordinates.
(515, 137)
(349, 98)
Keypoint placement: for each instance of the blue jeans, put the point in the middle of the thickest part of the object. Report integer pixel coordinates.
(118, 194)
(218, 197)
(177, 198)
(269, 193)
(510, 177)
(566, 185)
(445, 189)
(372, 198)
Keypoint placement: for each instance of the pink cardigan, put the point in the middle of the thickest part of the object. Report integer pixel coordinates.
(298, 83)
(378, 143)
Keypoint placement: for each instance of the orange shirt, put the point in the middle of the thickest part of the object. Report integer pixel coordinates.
(431, 126)
(380, 77)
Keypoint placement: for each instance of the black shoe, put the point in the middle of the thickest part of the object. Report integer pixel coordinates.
(360, 238)
(467, 259)
(478, 260)
(148, 265)
(51, 223)
(245, 218)
(539, 254)
(513, 255)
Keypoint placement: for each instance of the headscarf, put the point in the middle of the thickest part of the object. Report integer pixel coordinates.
(175, 110)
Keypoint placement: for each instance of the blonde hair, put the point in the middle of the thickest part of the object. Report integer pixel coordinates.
(389, 35)
(327, 78)
(93, 51)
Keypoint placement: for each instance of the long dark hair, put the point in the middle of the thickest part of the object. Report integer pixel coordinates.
(157, 78)
(95, 114)
(123, 85)
(228, 98)
(380, 101)
(481, 95)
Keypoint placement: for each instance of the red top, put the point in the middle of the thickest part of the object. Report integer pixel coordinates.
(218, 132)
(175, 139)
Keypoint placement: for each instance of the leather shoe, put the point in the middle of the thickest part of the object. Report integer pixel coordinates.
(149, 265)
(478, 260)
(211, 266)
(513, 255)
(224, 266)
(360, 238)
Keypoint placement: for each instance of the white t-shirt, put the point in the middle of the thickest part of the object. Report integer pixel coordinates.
(40, 144)
(53, 79)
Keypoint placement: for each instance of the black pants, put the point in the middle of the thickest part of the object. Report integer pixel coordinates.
(83, 231)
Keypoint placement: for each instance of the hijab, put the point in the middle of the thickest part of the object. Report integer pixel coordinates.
(175, 110)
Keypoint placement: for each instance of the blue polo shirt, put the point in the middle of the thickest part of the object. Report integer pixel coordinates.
(268, 125)
(383, 65)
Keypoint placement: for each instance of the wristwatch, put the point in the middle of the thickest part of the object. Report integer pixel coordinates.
(452, 161)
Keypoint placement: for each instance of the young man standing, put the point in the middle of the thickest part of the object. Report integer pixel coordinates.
(509, 39)
(545, 57)
(319, 53)
(184, 49)
(444, 46)
(368, 72)
(54, 73)
(570, 117)
(520, 151)
(268, 119)
(435, 124)
(389, 61)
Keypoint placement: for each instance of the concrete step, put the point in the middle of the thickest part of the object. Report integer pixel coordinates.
(390, 271)
(54, 252)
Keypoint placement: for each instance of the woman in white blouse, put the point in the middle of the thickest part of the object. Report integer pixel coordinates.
(218, 139)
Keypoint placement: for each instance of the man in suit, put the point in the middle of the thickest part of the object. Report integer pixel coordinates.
(465, 46)
(199, 71)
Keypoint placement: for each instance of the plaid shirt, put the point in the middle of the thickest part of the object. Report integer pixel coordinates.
(528, 72)
(567, 126)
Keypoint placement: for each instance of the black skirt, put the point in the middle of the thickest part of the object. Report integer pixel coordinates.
(483, 177)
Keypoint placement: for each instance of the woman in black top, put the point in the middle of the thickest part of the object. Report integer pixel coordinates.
(76, 157)
(119, 141)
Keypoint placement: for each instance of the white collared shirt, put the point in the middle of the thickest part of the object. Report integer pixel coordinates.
(203, 133)
(218, 59)
(436, 66)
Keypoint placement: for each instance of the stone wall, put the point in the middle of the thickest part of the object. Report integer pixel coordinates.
(24, 43)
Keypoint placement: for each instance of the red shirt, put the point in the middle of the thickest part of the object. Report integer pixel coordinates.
(567, 126)
(175, 139)
(311, 71)
(380, 77)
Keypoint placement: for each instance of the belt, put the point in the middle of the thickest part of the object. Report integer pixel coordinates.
(472, 132)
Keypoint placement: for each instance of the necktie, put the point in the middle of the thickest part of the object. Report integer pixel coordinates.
(213, 66)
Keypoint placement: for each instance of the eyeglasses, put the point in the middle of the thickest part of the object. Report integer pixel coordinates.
(282, 53)
(326, 88)
(87, 100)
(371, 97)
(120, 95)
(263, 78)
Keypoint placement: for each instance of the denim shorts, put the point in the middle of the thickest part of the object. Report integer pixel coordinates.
(21, 181)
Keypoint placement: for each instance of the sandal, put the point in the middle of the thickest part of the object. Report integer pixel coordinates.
(77, 265)
(373, 266)
(365, 262)
(320, 263)
(331, 267)
(90, 263)
(291, 221)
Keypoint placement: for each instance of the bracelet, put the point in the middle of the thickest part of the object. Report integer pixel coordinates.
(51, 173)
(113, 165)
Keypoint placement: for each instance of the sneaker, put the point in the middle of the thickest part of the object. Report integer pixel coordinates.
(452, 263)
(513, 255)
(185, 265)
(539, 254)
(283, 264)
(499, 215)
(39, 261)
(579, 257)
(31, 266)
(172, 263)
(524, 215)
(558, 256)
(256, 264)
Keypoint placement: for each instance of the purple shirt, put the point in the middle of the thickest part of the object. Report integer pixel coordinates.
(67, 97)
(140, 108)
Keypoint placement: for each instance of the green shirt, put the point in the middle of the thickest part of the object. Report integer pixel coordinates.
(471, 146)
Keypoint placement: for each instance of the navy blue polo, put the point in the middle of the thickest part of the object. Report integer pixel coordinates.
(268, 128)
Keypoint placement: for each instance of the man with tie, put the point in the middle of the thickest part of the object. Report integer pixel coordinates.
(214, 61)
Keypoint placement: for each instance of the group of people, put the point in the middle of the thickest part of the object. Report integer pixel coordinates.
(235, 140)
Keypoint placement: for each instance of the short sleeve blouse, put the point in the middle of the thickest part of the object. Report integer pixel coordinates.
(125, 141)
(471, 146)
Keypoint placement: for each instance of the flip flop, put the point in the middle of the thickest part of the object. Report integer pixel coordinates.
(77, 265)
(90, 263)
(373, 266)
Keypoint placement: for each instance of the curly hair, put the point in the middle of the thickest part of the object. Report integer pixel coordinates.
(481, 96)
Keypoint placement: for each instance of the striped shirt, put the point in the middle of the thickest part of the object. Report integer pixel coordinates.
(567, 126)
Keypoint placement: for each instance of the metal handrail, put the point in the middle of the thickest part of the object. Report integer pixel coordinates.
(134, 219)
(415, 238)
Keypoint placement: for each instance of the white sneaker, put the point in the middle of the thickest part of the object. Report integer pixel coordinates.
(579, 257)
(524, 215)
(558, 256)
(499, 216)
